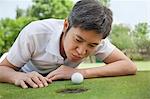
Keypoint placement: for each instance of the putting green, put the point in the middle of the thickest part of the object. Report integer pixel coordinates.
(122, 87)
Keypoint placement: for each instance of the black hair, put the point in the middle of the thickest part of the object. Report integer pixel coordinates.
(91, 15)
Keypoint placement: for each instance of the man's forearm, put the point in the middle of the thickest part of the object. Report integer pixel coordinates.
(112, 69)
(6, 74)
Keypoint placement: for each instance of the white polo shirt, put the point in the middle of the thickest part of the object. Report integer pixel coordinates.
(37, 47)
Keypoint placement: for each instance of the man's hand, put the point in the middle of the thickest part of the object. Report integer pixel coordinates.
(63, 72)
(32, 79)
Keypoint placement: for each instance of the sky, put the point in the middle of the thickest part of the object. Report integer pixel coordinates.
(8, 7)
(129, 12)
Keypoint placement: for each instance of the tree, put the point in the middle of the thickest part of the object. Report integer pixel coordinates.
(105, 2)
(43, 9)
(9, 30)
(20, 13)
(141, 38)
(120, 36)
(141, 29)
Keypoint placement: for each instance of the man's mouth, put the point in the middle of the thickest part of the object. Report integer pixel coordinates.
(75, 57)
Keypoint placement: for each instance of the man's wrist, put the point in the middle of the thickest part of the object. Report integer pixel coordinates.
(84, 72)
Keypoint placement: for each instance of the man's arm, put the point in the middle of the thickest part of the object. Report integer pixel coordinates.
(7, 70)
(9, 74)
(116, 64)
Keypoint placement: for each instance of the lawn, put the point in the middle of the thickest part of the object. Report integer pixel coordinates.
(122, 87)
(142, 66)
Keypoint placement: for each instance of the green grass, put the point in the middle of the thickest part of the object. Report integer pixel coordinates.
(141, 65)
(122, 87)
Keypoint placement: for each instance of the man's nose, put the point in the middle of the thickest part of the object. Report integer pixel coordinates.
(81, 50)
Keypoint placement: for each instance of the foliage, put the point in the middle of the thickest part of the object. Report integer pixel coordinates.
(141, 38)
(20, 12)
(9, 30)
(43, 9)
(105, 2)
(141, 29)
(120, 36)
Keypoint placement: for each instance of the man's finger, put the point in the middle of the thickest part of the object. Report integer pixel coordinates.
(57, 77)
(48, 80)
(31, 83)
(50, 75)
(38, 81)
(43, 80)
(23, 84)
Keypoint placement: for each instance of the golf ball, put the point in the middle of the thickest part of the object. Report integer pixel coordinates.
(77, 78)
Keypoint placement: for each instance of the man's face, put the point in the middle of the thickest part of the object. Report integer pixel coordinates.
(78, 43)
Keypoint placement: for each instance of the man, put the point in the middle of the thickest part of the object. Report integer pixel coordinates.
(49, 50)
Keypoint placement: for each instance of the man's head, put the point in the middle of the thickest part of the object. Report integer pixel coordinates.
(88, 23)
(91, 15)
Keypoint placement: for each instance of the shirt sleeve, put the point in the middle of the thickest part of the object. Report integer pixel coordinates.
(22, 49)
(104, 49)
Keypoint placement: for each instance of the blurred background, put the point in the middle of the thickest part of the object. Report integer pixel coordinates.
(130, 30)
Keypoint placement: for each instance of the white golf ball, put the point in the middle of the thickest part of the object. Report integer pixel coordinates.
(77, 78)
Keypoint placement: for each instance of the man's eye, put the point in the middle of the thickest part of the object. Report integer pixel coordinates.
(78, 40)
(92, 46)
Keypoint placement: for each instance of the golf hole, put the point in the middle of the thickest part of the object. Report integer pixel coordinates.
(72, 90)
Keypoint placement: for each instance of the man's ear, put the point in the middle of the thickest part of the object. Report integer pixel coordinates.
(66, 25)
